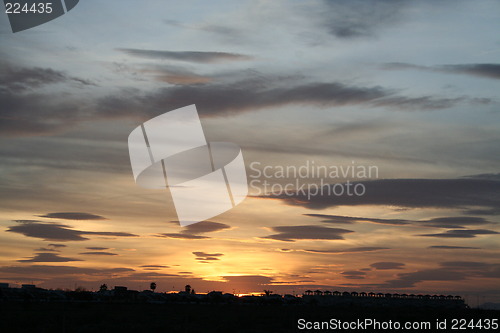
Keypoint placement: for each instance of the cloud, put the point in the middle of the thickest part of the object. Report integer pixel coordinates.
(73, 216)
(359, 18)
(48, 270)
(455, 222)
(206, 257)
(383, 265)
(449, 271)
(491, 71)
(37, 113)
(439, 222)
(95, 253)
(292, 233)
(97, 248)
(182, 78)
(249, 95)
(408, 193)
(205, 226)
(465, 264)
(462, 233)
(154, 266)
(181, 236)
(348, 250)
(48, 257)
(44, 249)
(19, 79)
(189, 56)
(354, 275)
(227, 33)
(57, 232)
(170, 74)
(350, 219)
(193, 231)
(406, 280)
(449, 247)
(57, 245)
(248, 282)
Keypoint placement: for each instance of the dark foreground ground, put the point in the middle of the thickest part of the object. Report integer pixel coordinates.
(127, 317)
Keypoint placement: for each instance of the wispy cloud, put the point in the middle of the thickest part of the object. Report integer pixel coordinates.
(99, 253)
(451, 222)
(346, 250)
(383, 265)
(452, 247)
(193, 231)
(48, 257)
(293, 233)
(19, 79)
(354, 275)
(73, 216)
(58, 232)
(449, 271)
(438, 193)
(189, 56)
(204, 257)
(357, 18)
(491, 71)
(462, 233)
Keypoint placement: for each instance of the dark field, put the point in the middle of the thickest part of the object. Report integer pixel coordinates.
(238, 318)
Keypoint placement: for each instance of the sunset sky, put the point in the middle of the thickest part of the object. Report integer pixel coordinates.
(411, 88)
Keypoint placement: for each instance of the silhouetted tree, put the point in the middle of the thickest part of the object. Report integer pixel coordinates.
(187, 288)
(103, 287)
(268, 292)
(152, 286)
(192, 292)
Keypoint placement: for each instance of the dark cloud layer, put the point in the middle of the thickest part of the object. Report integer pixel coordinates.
(207, 257)
(334, 219)
(44, 249)
(410, 193)
(349, 250)
(387, 265)
(73, 216)
(48, 270)
(354, 275)
(348, 19)
(154, 266)
(193, 231)
(58, 232)
(406, 280)
(48, 257)
(449, 271)
(462, 233)
(57, 245)
(19, 79)
(491, 71)
(293, 233)
(438, 222)
(248, 95)
(190, 56)
(181, 236)
(450, 247)
(99, 253)
(35, 113)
